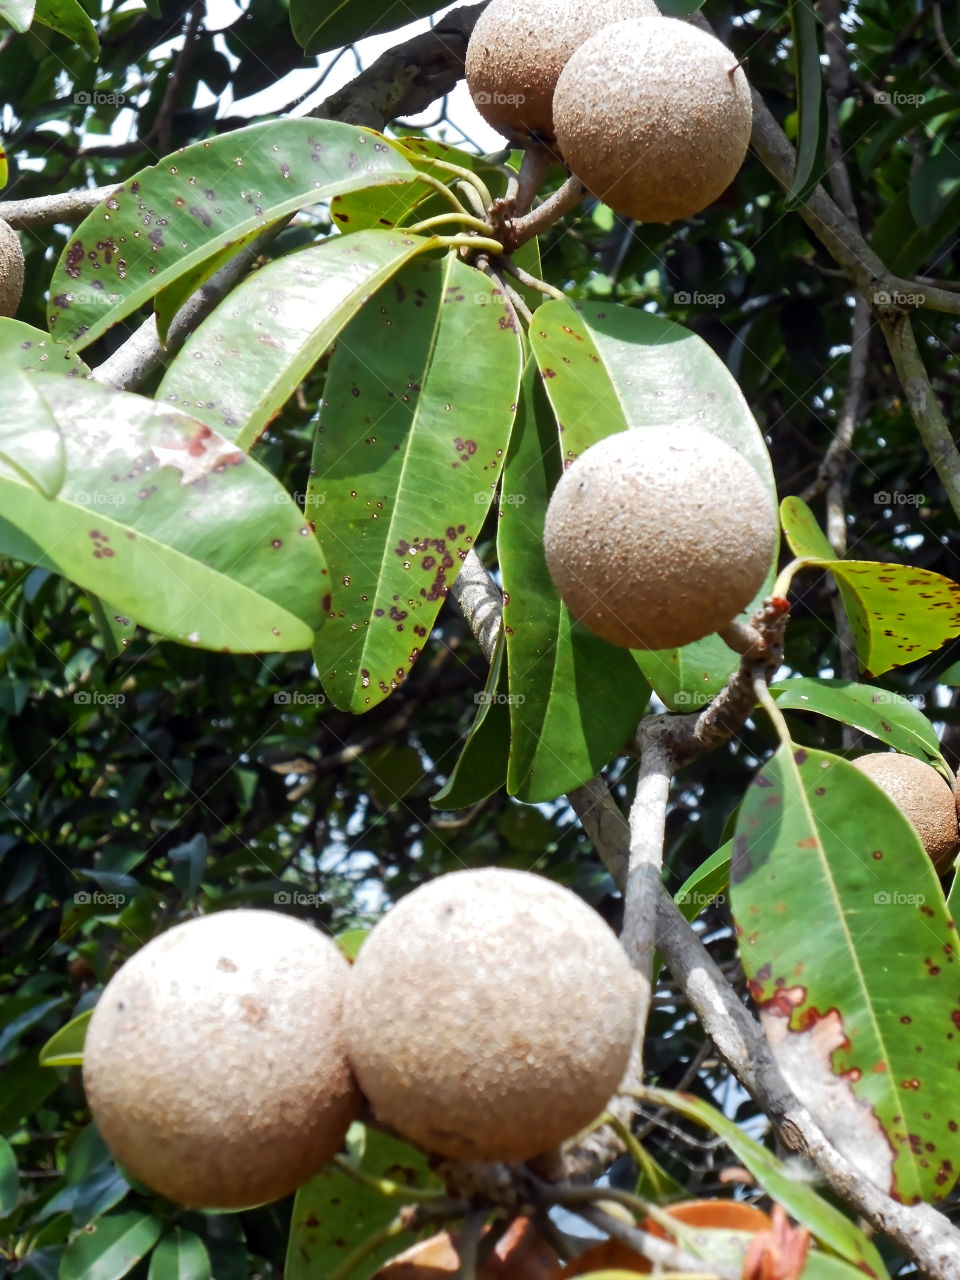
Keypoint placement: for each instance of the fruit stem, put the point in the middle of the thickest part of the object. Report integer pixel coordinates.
(532, 282)
(465, 219)
(442, 189)
(466, 176)
(782, 585)
(537, 159)
(470, 242)
(518, 231)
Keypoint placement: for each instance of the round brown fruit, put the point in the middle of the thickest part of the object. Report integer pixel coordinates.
(215, 1065)
(923, 796)
(654, 117)
(657, 538)
(490, 1015)
(518, 49)
(11, 270)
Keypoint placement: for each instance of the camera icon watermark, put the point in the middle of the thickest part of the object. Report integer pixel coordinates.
(94, 898)
(682, 298)
(702, 899)
(98, 99)
(884, 298)
(296, 898)
(884, 898)
(91, 698)
(896, 99)
(294, 698)
(302, 500)
(485, 699)
(483, 99)
(899, 498)
(688, 698)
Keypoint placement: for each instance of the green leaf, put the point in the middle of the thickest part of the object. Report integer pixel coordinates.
(350, 942)
(481, 768)
(893, 131)
(803, 534)
(289, 313)
(69, 19)
(705, 885)
(903, 245)
(319, 28)
(65, 1047)
(180, 1255)
(334, 1213)
(574, 699)
(9, 1179)
(34, 349)
(17, 13)
(110, 1247)
(860, 1011)
(171, 298)
(679, 8)
(30, 440)
(407, 456)
(171, 524)
(887, 716)
(825, 1222)
(610, 368)
(116, 629)
(811, 103)
(934, 188)
(173, 216)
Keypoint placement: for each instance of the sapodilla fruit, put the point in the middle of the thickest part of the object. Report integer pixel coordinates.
(11, 270)
(654, 117)
(518, 49)
(655, 538)
(215, 1064)
(924, 798)
(490, 1015)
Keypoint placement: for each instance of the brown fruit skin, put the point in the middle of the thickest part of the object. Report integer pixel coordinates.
(11, 270)
(215, 1065)
(518, 49)
(923, 796)
(657, 538)
(490, 1015)
(650, 118)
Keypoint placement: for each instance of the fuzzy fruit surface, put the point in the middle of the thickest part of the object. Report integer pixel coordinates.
(518, 49)
(923, 796)
(658, 538)
(654, 116)
(490, 1015)
(215, 1065)
(11, 270)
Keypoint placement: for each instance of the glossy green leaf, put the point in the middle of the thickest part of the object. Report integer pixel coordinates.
(825, 1222)
(407, 456)
(574, 699)
(481, 767)
(110, 1247)
(706, 885)
(885, 715)
(811, 102)
(70, 19)
(318, 28)
(904, 245)
(334, 1213)
(171, 298)
(9, 1179)
(173, 216)
(804, 536)
(34, 349)
(289, 313)
(350, 942)
(30, 439)
(609, 368)
(861, 1011)
(171, 524)
(116, 629)
(180, 1255)
(65, 1047)
(17, 13)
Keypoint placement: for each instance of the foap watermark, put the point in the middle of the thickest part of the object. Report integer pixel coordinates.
(696, 299)
(302, 500)
(896, 99)
(296, 898)
(701, 899)
(895, 898)
(486, 699)
(94, 898)
(688, 698)
(512, 499)
(884, 298)
(483, 99)
(92, 698)
(98, 99)
(898, 498)
(84, 498)
(294, 698)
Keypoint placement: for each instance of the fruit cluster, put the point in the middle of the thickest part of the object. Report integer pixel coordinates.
(651, 114)
(490, 1015)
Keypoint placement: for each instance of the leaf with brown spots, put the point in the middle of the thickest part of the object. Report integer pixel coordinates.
(170, 218)
(853, 963)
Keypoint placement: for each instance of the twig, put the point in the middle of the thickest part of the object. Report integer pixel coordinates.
(942, 40)
(480, 601)
(44, 211)
(517, 231)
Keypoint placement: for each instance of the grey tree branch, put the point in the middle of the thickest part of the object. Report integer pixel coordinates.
(44, 211)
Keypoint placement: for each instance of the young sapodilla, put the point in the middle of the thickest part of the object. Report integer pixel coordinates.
(654, 117)
(11, 270)
(657, 538)
(518, 49)
(923, 796)
(490, 1015)
(214, 1063)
